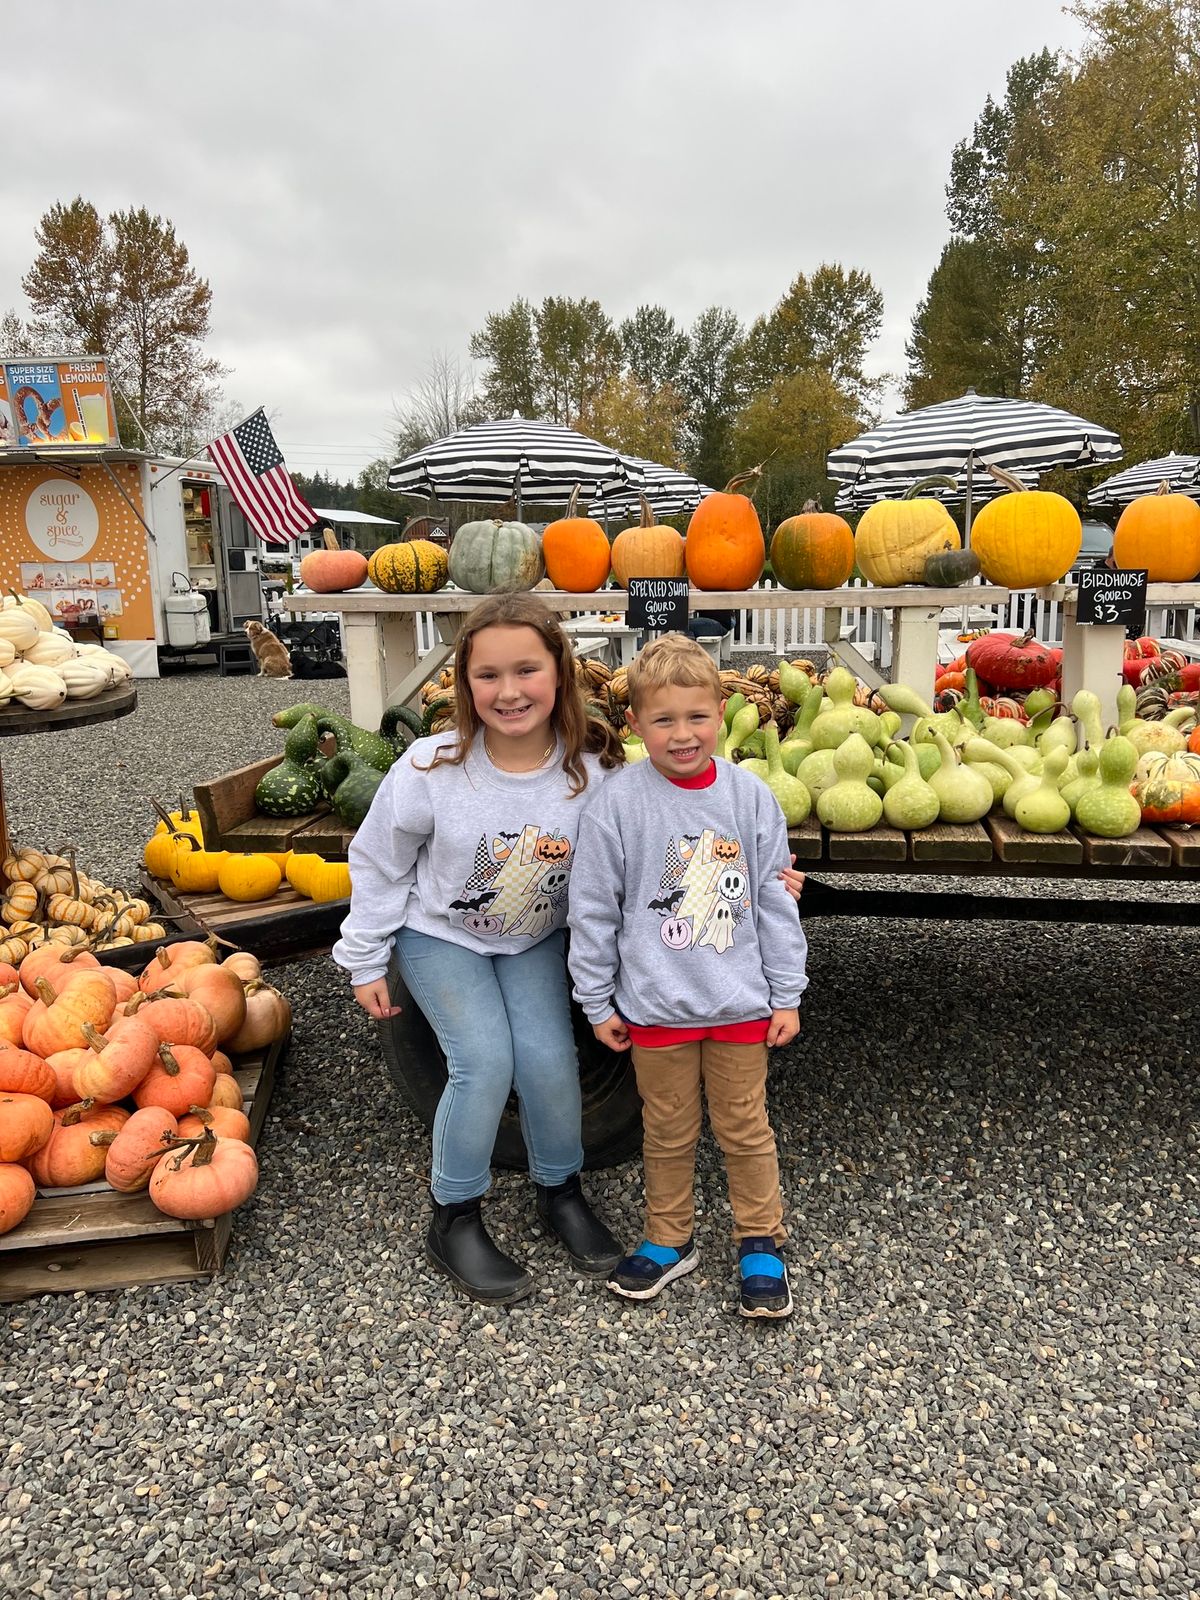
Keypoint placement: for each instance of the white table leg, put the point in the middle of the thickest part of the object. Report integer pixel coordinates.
(914, 647)
(1092, 659)
(365, 666)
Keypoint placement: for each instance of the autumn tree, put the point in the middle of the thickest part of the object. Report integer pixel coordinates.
(124, 286)
(442, 400)
(654, 347)
(712, 391)
(636, 419)
(826, 321)
(792, 424)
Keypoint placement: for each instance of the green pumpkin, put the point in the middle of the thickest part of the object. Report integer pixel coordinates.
(412, 566)
(492, 557)
(949, 568)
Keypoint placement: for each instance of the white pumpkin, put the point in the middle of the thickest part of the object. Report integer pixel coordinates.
(39, 688)
(85, 678)
(50, 649)
(19, 627)
(8, 653)
(6, 688)
(31, 607)
(121, 671)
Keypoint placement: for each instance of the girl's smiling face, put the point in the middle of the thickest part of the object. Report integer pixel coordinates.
(513, 679)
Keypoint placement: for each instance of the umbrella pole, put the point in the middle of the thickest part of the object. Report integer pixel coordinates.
(966, 610)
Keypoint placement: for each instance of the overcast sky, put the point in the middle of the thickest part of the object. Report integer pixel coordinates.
(363, 181)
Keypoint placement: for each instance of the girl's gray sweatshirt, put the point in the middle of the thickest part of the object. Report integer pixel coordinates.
(678, 917)
(469, 854)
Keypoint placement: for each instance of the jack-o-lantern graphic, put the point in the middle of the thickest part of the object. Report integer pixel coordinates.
(676, 933)
(552, 847)
(726, 849)
(480, 923)
(732, 885)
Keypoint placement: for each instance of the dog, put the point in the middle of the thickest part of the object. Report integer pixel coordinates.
(270, 653)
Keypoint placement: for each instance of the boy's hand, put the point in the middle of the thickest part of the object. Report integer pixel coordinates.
(785, 1025)
(612, 1032)
(792, 880)
(373, 997)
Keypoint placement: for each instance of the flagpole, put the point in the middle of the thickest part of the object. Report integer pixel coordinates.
(199, 458)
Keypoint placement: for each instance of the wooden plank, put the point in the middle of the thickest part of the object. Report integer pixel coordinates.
(325, 836)
(949, 841)
(456, 600)
(1185, 845)
(103, 707)
(805, 840)
(275, 834)
(1143, 848)
(879, 844)
(225, 801)
(67, 1268)
(1046, 849)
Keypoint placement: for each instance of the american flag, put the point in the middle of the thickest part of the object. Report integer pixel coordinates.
(252, 465)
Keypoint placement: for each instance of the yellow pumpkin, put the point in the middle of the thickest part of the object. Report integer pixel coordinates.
(895, 538)
(329, 881)
(300, 866)
(647, 551)
(1027, 537)
(195, 870)
(248, 877)
(1160, 532)
(158, 854)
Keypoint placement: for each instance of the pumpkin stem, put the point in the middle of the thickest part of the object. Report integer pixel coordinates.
(103, 1136)
(44, 992)
(94, 1037)
(189, 840)
(329, 539)
(1164, 487)
(939, 480)
(8, 988)
(572, 503)
(167, 1056)
(180, 1148)
(203, 1113)
(135, 1003)
(161, 956)
(1007, 479)
(163, 814)
(751, 476)
(73, 1113)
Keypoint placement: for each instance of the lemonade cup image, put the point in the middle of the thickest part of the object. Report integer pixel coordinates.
(93, 410)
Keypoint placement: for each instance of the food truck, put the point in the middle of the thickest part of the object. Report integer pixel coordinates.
(148, 553)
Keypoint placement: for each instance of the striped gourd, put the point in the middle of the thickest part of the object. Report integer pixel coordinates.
(416, 566)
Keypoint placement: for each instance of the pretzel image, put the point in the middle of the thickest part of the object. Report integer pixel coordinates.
(41, 426)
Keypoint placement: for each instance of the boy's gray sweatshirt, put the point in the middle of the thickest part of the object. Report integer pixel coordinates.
(677, 915)
(469, 854)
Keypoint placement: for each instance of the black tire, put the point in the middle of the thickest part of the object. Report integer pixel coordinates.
(612, 1111)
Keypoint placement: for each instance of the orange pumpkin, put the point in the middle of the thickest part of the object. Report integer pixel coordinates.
(170, 961)
(117, 1062)
(56, 1019)
(138, 1148)
(26, 1123)
(180, 1021)
(17, 1194)
(226, 1092)
(813, 551)
(21, 1072)
(221, 993)
(14, 1003)
(205, 1178)
(576, 551)
(54, 961)
(78, 1145)
(182, 1077)
(333, 570)
(1160, 532)
(226, 1122)
(650, 550)
(725, 547)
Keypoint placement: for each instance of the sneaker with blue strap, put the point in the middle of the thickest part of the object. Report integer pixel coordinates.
(764, 1281)
(648, 1270)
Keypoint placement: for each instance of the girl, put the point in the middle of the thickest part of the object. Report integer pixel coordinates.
(462, 864)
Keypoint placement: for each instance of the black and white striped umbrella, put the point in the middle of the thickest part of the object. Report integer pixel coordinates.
(669, 490)
(979, 430)
(514, 458)
(1181, 472)
(858, 496)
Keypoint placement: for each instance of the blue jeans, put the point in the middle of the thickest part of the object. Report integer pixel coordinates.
(503, 1022)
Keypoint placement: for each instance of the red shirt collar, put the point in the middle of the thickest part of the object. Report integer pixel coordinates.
(701, 780)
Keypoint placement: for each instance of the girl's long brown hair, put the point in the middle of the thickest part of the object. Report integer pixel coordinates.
(579, 731)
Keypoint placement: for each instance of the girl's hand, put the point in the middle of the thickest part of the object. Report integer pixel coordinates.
(792, 880)
(373, 997)
(613, 1033)
(785, 1025)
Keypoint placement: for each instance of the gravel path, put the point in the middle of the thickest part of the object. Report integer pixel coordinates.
(989, 1388)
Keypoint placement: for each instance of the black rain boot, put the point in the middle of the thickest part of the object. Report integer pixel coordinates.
(459, 1245)
(563, 1209)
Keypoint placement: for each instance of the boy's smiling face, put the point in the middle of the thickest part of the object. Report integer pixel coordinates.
(679, 727)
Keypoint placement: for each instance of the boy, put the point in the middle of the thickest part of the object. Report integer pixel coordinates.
(686, 946)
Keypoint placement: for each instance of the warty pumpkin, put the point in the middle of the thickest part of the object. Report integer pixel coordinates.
(648, 550)
(332, 570)
(1027, 537)
(411, 566)
(725, 548)
(491, 557)
(576, 551)
(895, 538)
(1160, 532)
(813, 551)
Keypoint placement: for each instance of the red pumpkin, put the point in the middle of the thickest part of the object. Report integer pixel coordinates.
(17, 1194)
(1012, 661)
(205, 1178)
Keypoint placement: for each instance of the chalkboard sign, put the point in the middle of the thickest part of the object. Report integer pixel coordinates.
(1113, 595)
(660, 604)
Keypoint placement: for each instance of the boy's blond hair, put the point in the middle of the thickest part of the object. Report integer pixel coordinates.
(673, 662)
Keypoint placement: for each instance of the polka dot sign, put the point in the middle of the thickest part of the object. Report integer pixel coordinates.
(74, 543)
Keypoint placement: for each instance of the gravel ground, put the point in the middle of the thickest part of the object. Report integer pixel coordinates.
(989, 1388)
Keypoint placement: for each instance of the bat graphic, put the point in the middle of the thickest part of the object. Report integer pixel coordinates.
(510, 836)
(668, 902)
(473, 905)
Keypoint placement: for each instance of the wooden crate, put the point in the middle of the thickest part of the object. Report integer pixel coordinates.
(283, 928)
(95, 1238)
(230, 822)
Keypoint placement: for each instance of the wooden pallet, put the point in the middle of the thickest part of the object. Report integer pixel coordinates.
(282, 928)
(230, 822)
(94, 1238)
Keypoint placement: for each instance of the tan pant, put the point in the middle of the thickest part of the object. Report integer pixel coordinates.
(734, 1081)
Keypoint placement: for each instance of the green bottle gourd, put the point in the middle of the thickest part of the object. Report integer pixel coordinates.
(1110, 810)
(1042, 809)
(351, 784)
(1087, 776)
(909, 802)
(964, 795)
(1085, 708)
(969, 707)
(983, 757)
(743, 724)
(948, 723)
(732, 706)
(850, 805)
(794, 685)
(794, 799)
(843, 717)
(817, 772)
(899, 697)
(293, 787)
(1060, 735)
(1023, 779)
(800, 738)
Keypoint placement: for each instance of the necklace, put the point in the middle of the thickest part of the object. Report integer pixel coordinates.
(539, 763)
